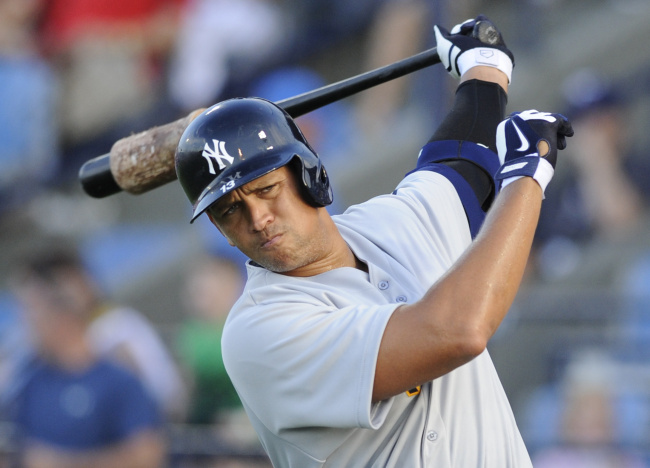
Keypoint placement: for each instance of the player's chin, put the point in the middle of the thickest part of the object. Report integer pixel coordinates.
(278, 265)
(279, 262)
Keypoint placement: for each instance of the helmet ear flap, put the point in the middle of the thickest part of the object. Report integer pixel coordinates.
(314, 180)
(327, 195)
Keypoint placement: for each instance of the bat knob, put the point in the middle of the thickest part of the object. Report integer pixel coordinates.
(487, 33)
(97, 179)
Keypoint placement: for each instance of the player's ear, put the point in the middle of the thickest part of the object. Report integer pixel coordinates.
(219, 229)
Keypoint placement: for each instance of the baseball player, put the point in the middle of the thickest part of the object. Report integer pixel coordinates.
(360, 339)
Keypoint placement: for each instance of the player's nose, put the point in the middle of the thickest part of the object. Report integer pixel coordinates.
(260, 215)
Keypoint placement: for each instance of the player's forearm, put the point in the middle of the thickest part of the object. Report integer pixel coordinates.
(489, 74)
(469, 302)
(454, 320)
(478, 291)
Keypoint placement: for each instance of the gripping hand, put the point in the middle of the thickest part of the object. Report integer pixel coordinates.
(522, 136)
(472, 43)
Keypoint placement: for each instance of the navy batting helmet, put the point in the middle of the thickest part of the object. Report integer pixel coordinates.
(239, 140)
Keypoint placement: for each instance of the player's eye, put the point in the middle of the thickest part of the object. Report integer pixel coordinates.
(229, 210)
(267, 189)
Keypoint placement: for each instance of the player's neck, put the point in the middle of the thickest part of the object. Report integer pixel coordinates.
(330, 263)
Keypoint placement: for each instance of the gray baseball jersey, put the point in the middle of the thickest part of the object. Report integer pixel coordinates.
(302, 351)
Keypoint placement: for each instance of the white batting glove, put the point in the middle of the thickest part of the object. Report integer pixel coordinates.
(475, 42)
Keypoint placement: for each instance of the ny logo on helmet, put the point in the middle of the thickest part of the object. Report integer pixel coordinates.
(219, 153)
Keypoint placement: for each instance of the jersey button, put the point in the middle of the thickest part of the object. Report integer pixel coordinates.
(383, 285)
(432, 436)
(401, 299)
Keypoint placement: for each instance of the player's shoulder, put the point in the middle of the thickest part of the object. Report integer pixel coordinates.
(429, 192)
(266, 290)
(415, 187)
(424, 181)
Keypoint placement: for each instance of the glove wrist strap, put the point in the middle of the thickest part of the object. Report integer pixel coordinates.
(529, 166)
(485, 56)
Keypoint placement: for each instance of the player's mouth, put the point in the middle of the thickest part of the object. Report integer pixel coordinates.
(272, 241)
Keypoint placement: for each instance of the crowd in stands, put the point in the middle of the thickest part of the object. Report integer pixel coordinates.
(593, 410)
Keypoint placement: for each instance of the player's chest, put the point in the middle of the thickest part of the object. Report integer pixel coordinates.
(348, 287)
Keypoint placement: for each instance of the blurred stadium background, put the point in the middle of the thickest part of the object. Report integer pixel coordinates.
(582, 318)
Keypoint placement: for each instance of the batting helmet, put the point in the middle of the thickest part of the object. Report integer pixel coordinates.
(239, 140)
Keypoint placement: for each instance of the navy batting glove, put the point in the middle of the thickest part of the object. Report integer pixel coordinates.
(518, 139)
(472, 43)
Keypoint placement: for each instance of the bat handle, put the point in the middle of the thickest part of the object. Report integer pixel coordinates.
(315, 99)
(97, 179)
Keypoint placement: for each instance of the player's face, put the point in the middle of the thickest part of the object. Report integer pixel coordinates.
(268, 220)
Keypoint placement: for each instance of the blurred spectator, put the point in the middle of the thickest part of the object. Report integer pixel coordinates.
(111, 58)
(399, 29)
(125, 336)
(634, 322)
(318, 26)
(602, 189)
(222, 44)
(211, 288)
(28, 127)
(15, 346)
(386, 30)
(73, 408)
(213, 283)
(585, 417)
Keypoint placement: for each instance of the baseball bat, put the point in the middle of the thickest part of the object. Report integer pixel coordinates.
(141, 162)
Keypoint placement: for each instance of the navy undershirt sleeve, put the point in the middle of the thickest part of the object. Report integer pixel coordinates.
(436, 155)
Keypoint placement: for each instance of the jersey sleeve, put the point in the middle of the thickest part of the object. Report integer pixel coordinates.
(435, 231)
(320, 372)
